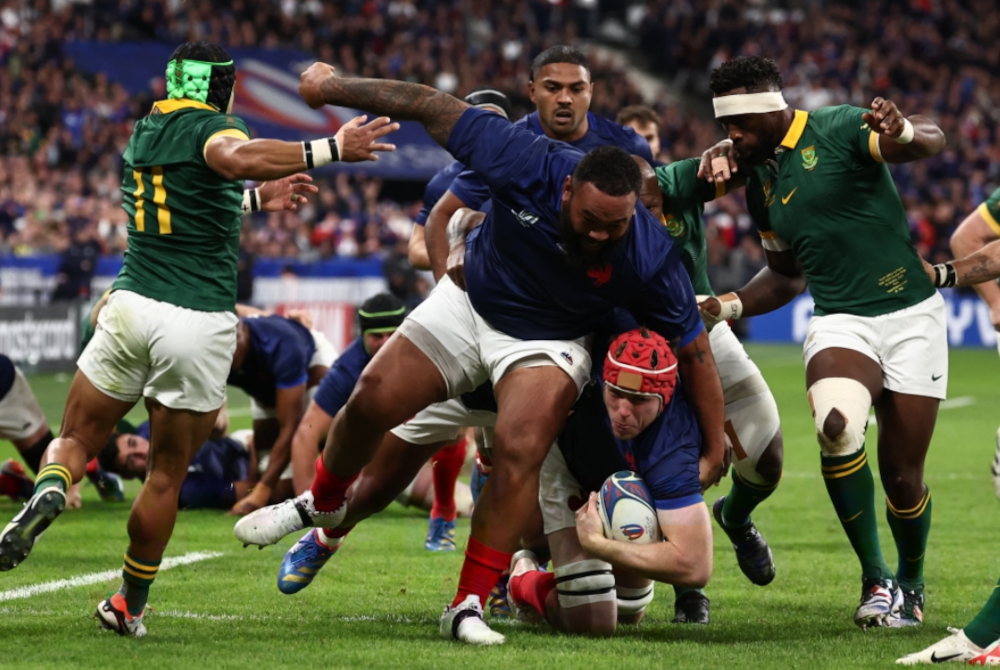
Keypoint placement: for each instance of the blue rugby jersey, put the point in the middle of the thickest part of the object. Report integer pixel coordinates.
(473, 191)
(516, 272)
(278, 358)
(339, 381)
(437, 187)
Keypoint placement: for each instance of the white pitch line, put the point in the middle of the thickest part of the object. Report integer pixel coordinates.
(98, 577)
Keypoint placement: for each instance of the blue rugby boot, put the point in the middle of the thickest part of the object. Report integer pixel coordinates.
(440, 535)
(304, 560)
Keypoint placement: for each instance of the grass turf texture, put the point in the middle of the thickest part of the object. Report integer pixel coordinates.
(376, 604)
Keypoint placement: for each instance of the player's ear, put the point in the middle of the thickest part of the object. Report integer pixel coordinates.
(567, 187)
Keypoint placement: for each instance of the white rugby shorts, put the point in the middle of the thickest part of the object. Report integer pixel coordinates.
(20, 415)
(559, 493)
(910, 345)
(468, 351)
(441, 422)
(147, 348)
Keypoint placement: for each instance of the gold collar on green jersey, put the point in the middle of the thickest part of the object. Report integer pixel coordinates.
(795, 131)
(167, 106)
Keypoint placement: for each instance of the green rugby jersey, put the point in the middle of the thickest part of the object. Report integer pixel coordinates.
(829, 196)
(184, 218)
(684, 197)
(990, 211)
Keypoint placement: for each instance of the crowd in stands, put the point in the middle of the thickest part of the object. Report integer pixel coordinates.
(63, 131)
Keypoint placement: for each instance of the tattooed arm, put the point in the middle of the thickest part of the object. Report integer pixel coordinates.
(979, 267)
(700, 380)
(438, 112)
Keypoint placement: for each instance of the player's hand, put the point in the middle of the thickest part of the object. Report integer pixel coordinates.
(359, 143)
(73, 498)
(311, 83)
(300, 316)
(711, 471)
(257, 498)
(718, 163)
(456, 265)
(286, 193)
(589, 528)
(885, 118)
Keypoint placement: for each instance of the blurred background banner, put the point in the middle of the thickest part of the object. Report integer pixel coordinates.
(267, 98)
(44, 339)
(968, 321)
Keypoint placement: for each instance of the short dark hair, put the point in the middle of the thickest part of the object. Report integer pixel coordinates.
(754, 73)
(560, 53)
(107, 458)
(611, 169)
(640, 113)
(220, 86)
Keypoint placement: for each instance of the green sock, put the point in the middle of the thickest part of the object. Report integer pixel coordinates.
(985, 628)
(137, 577)
(743, 497)
(910, 528)
(680, 590)
(852, 490)
(53, 474)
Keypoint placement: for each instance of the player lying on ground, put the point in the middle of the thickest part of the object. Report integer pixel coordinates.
(168, 331)
(572, 244)
(279, 363)
(631, 419)
(438, 185)
(561, 89)
(378, 318)
(821, 196)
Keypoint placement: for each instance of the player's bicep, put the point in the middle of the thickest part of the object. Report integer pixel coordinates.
(289, 402)
(494, 148)
(785, 262)
(688, 527)
(220, 149)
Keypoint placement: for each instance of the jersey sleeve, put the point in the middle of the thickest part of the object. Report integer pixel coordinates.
(289, 365)
(990, 211)
(335, 389)
(680, 183)
(470, 189)
(853, 134)
(666, 302)
(673, 488)
(220, 125)
(496, 150)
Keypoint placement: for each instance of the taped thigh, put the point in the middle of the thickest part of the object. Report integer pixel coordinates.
(584, 583)
(851, 399)
(634, 600)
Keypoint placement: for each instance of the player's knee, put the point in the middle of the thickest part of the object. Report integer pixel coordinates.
(772, 461)
(840, 411)
(904, 486)
(632, 602)
(587, 584)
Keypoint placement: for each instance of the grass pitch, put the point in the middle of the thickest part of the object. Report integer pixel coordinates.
(376, 604)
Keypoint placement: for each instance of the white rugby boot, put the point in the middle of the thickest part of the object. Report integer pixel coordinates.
(956, 648)
(464, 623)
(269, 524)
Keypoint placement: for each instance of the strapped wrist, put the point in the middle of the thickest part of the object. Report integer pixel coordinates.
(906, 136)
(945, 275)
(317, 153)
(251, 200)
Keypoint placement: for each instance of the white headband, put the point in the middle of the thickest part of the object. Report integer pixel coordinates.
(749, 103)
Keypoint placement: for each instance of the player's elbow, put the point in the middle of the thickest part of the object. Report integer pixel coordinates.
(693, 570)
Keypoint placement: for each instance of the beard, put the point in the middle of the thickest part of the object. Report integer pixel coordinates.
(577, 255)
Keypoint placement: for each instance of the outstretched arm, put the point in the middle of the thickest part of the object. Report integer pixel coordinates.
(438, 112)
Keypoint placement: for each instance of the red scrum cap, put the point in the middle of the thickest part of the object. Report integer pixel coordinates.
(641, 362)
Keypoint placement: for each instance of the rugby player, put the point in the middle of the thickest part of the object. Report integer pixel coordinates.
(632, 419)
(977, 251)
(645, 122)
(567, 246)
(485, 98)
(821, 196)
(675, 194)
(279, 363)
(168, 331)
(561, 89)
(23, 424)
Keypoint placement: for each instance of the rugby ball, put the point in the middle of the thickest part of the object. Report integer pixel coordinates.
(627, 511)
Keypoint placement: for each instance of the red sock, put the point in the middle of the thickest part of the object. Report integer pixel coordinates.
(485, 464)
(480, 571)
(447, 464)
(532, 588)
(328, 489)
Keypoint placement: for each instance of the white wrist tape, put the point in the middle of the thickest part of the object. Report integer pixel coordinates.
(907, 135)
(749, 103)
(251, 200)
(318, 153)
(731, 308)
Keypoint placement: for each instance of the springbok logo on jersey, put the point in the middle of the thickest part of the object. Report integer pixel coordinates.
(768, 196)
(809, 158)
(674, 227)
(601, 275)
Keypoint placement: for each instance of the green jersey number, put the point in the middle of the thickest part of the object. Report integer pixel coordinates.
(159, 200)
